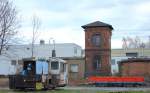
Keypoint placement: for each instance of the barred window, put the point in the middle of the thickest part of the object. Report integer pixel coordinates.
(96, 62)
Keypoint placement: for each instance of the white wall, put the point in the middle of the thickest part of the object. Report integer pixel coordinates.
(5, 66)
(16, 52)
(114, 67)
(62, 50)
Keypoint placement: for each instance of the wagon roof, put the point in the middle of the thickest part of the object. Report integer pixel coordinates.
(135, 60)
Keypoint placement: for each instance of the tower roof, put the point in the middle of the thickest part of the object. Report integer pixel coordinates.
(97, 24)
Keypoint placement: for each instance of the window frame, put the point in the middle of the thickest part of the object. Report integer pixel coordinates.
(52, 68)
(77, 70)
(113, 62)
(95, 39)
(75, 50)
(97, 60)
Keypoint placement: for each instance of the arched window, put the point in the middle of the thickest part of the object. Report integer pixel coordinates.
(96, 62)
(96, 40)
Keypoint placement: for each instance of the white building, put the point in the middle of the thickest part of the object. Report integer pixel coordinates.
(15, 52)
(114, 64)
(121, 54)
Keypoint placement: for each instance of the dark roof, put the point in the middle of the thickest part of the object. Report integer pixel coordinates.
(97, 24)
(135, 60)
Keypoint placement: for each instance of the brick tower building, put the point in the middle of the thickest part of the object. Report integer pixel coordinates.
(97, 48)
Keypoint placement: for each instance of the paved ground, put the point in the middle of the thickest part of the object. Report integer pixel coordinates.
(112, 89)
(108, 88)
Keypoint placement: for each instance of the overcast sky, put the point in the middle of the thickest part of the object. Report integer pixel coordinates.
(62, 19)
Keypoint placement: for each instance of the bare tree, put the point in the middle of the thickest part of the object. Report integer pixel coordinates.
(137, 41)
(131, 42)
(124, 45)
(36, 23)
(8, 23)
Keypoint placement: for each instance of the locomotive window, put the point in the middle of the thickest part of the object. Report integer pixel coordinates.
(54, 65)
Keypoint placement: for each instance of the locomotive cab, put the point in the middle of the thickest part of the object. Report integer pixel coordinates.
(58, 69)
(25, 77)
(39, 74)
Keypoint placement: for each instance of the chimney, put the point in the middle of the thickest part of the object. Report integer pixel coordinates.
(42, 42)
(53, 53)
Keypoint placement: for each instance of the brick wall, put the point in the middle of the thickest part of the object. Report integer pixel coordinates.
(135, 68)
(105, 64)
(76, 78)
(105, 34)
(103, 50)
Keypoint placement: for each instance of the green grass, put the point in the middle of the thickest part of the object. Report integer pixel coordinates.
(69, 91)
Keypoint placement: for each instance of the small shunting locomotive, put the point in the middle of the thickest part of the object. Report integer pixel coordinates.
(39, 74)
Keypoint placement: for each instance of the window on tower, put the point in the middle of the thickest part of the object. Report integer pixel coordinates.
(96, 40)
(96, 62)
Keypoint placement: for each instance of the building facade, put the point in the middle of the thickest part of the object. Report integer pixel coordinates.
(17, 52)
(133, 52)
(76, 70)
(117, 55)
(43, 50)
(135, 67)
(97, 48)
